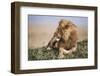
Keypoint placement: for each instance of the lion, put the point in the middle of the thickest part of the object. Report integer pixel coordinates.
(65, 38)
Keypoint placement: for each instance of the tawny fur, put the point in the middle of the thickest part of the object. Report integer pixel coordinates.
(66, 33)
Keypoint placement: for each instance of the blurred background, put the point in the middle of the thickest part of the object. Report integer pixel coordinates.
(41, 28)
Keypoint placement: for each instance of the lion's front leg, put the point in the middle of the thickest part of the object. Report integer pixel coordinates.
(61, 53)
(73, 49)
(50, 44)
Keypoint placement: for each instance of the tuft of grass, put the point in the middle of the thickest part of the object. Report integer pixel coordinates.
(44, 54)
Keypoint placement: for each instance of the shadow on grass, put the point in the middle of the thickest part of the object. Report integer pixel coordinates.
(44, 54)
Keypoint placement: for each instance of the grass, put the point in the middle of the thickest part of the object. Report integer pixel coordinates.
(44, 54)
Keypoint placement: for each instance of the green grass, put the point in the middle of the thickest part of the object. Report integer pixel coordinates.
(44, 54)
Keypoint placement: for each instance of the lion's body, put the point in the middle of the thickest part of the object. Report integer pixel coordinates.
(68, 41)
(67, 35)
